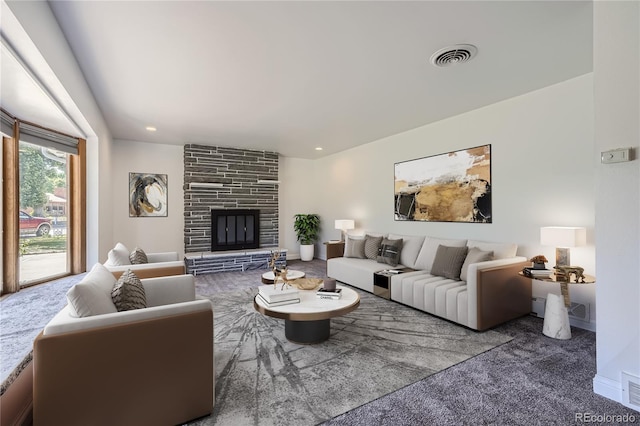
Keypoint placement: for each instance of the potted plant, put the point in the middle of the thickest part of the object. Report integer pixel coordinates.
(307, 227)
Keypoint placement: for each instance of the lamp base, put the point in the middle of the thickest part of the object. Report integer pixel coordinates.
(563, 257)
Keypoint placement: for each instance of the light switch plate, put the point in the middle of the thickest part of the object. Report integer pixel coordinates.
(615, 156)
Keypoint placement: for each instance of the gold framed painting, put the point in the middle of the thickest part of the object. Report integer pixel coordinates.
(449, 187)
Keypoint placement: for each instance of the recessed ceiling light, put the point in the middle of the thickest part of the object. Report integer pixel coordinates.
(318, 148)
(151, 128)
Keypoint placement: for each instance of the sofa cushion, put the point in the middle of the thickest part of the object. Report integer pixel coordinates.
(474, 255)
(448, 261)
(348, 240)
(355, 272)
(411, 245)
(138, 256)
(128, 293)
(92, 295)
(500, 250)
(430, 247)
(371, 246)
(355, 248)
(118, 256)
(389, 252)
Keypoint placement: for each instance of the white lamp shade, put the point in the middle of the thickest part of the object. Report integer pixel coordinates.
(344, 224)
(563, 236)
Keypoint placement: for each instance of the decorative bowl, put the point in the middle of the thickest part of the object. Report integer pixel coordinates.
(306, 283)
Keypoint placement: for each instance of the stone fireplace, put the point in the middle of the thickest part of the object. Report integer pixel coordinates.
(218, 179)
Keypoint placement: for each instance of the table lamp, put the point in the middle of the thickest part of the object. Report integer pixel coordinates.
(563, 237)
(344, 225)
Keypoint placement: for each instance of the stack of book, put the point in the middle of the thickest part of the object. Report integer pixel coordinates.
(537, 273)
(272, 295)
(329, 294)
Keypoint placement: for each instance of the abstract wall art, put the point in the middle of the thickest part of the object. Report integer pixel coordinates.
(450, 187)
(147, 195)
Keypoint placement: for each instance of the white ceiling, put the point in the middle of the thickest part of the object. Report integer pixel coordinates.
(292, 76)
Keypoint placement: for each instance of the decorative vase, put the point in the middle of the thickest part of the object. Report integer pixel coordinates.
(306, 252)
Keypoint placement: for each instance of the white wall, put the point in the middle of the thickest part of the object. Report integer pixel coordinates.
(151, 234)
(53, 53)
(617, 125)
(297, 194)
(543, 174)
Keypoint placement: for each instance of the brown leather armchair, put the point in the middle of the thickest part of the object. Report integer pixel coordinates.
(151, 366)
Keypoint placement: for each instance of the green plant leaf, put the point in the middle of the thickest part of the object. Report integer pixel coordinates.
(307, 227)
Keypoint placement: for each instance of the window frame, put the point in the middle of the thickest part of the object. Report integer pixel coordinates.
(76, 225)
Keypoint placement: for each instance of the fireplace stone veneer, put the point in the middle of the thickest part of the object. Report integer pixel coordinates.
(231, 261)
(240, 174)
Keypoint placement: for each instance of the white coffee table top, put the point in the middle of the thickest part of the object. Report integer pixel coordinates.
(292, 274)
(311, 308)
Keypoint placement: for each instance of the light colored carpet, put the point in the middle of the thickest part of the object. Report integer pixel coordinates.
(531, 380)
(24, 314)
(263, 379)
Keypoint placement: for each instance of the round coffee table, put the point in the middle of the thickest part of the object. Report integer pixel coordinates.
(267, 277)
(309, 321)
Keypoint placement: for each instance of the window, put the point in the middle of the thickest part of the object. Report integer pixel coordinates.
(43, 211)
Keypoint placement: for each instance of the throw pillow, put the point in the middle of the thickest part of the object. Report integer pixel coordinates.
(371, 246)
(138, 256)
(128, 293)
(448, 262)
(355, 248)
(389, 252)
(475, 255)
(92, 295)
(118, 256)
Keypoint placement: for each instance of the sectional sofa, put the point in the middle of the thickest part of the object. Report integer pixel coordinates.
(472, 283)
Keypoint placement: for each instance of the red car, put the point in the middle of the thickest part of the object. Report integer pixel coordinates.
(30, 224)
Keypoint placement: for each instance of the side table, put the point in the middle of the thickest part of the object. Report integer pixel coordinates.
(334, 249)
(556, 316)
(382, 281)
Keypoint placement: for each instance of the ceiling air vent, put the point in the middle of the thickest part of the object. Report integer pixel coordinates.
(453, 55)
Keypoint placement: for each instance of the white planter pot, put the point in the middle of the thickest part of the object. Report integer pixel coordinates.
(306, 252)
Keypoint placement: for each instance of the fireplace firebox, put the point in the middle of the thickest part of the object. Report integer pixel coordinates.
(235, 229)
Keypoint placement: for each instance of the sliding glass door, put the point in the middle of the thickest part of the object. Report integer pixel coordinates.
(43, 213)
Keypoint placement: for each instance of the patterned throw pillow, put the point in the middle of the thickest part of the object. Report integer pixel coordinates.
(128, 293)
(355, 248)
(371, 246)
(138, 256)
(389, 252)
(448, 261)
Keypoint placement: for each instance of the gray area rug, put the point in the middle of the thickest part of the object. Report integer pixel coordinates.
(261, 378)
(531, 380)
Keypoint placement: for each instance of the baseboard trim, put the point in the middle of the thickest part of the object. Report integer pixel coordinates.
(608, 388)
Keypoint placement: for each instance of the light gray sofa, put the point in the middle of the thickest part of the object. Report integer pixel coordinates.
(489, 292)
(158, 264)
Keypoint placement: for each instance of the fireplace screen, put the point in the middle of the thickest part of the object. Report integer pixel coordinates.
(235, 229)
